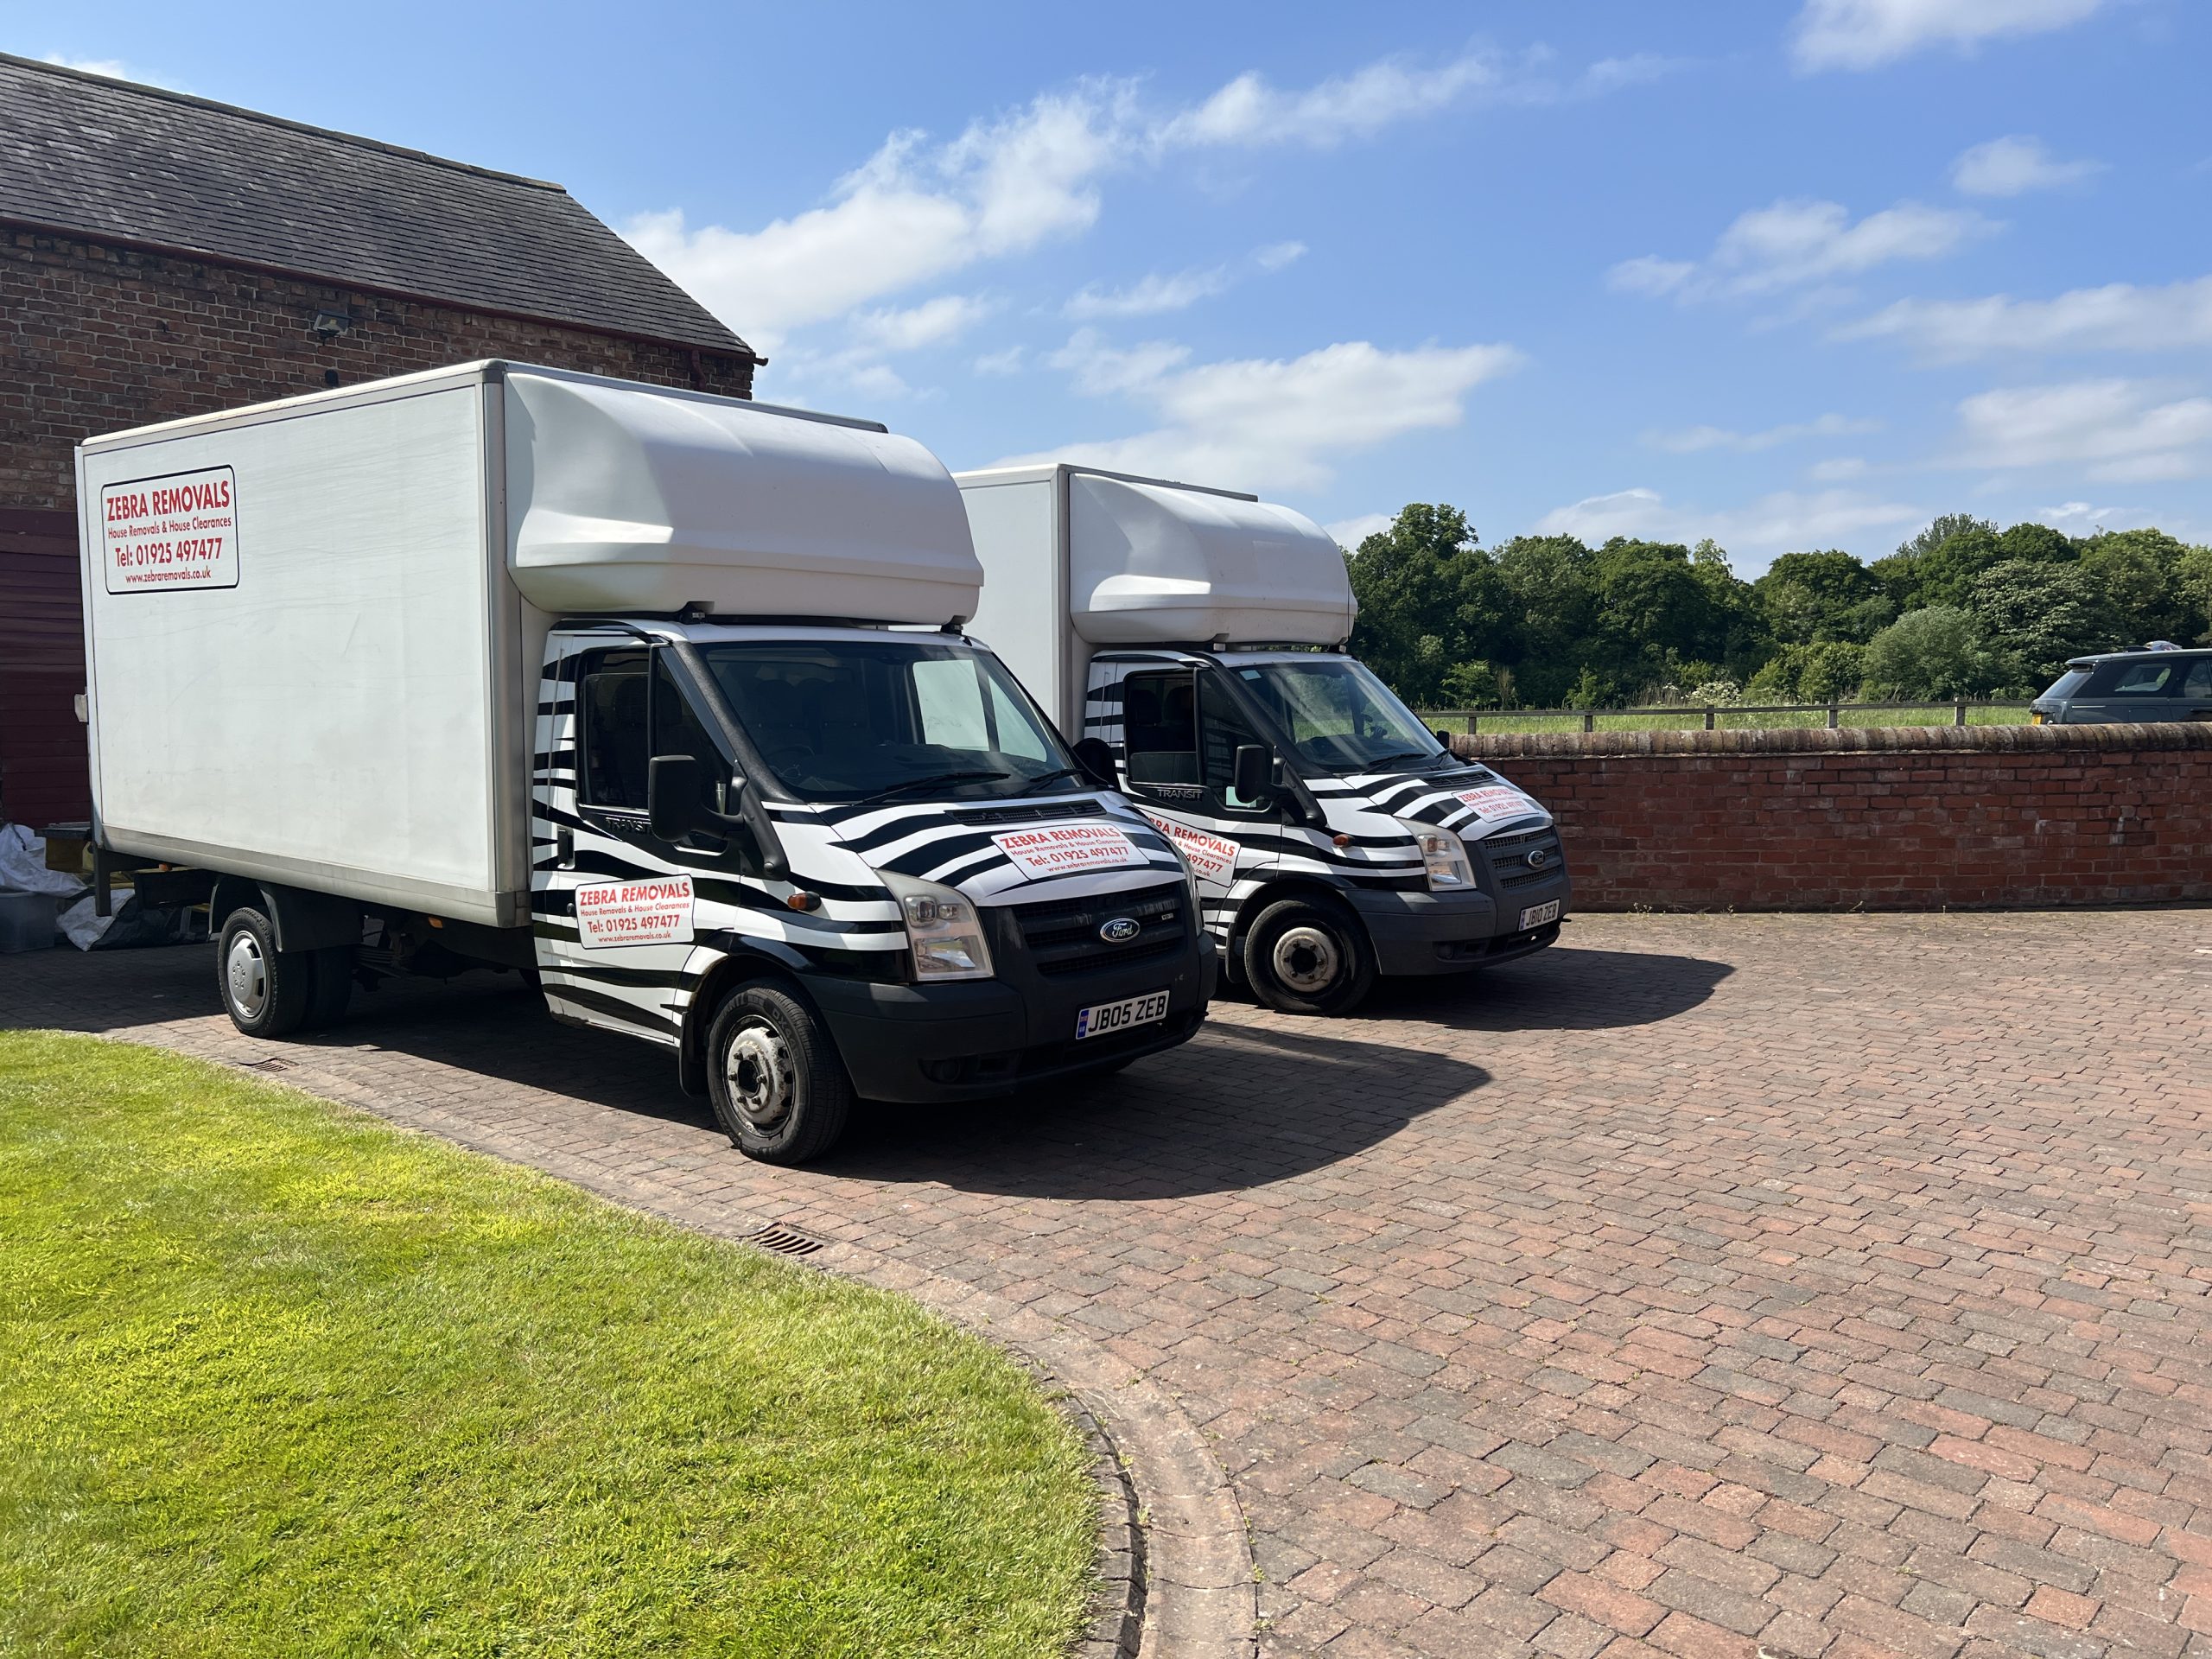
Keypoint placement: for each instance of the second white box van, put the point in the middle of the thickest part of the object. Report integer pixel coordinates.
(1194, 640)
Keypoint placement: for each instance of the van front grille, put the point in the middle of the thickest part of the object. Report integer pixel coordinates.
(1508, 858)
(1062, 936)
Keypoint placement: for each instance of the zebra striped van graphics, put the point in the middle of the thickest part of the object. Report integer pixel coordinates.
(1235, 857)
(646, 989)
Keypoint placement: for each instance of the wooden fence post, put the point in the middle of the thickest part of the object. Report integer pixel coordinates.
(1589, 722)
(1960, 718)
(1832, 713)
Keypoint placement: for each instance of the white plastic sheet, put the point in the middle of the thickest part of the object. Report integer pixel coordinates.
(22, 864)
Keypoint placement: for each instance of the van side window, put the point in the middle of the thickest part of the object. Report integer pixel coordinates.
(678, 730)
(1225, 731)
(1160, 726)
(611, 725)
(2199, 683)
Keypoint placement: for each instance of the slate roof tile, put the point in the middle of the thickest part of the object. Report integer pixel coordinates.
(112, 159)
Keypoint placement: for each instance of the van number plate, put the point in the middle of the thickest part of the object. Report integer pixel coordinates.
(1110, 1017)
(1537, 915)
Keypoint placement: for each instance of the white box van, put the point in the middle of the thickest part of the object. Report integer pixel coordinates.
(1194, 639)
(660, 697)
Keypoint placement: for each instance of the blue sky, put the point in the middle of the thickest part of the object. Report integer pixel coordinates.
(1796, 273)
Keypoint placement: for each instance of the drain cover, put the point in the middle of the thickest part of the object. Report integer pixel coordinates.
(784, 1241)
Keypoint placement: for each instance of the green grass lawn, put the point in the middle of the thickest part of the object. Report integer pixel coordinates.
(276, 1378)
(1684, 720)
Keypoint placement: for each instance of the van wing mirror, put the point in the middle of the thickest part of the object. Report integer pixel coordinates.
(672, 795)
(1253, 771)
(1096, 756)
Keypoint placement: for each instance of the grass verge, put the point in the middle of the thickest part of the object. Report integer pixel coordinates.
(276, 1378)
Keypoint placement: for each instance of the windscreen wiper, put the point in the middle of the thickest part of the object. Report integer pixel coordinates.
(1043, 778)
(1429, 755)
(925, 783)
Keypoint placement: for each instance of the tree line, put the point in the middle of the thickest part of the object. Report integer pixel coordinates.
(1961, 609)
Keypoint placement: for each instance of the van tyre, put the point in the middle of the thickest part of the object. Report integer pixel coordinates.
(265, 990)
(333, 986)
(1303, 955)
(780, 1090)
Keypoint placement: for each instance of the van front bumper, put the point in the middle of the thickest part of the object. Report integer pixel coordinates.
(1416, 933)
(974, 1038)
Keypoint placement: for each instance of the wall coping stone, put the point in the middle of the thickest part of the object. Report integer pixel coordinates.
(2174, 735)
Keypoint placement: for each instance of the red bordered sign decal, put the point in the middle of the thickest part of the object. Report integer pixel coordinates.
(177, 530)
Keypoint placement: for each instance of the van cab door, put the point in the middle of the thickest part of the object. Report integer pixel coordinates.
(615, 908)
(1181, 732)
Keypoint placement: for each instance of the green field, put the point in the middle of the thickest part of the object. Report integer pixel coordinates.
(1671, 719)
(276, 1378)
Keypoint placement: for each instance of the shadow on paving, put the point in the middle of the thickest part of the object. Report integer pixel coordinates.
(1563, 988)
(1236, 1107)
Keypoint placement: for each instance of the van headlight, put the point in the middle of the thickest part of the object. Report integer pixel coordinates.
(1443, 856)
(943, 929)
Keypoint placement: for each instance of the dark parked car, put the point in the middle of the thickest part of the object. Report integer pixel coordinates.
(2129, 685)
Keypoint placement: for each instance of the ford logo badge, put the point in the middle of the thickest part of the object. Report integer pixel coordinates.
(1120, 930)
(1539, 856)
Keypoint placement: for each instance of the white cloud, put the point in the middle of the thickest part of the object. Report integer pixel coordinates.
(113, 68)
(1863, 33)
(1796, 242)
(2118, 317)
(2116, 430)
(2074, 517)
(1262, 423)
(1150, 295)
(2015, 165)
(1155, 294)
(1350, 532)
(1099, 368)
(908, 215)
(1837, 469)
(1248, 110)
(1611, 74)
(1785, 522)
(1687, 441)
(917, 211)
(1009, 361)
(931, 323)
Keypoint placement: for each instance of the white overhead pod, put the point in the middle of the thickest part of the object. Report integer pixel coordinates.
(1076, 559)
(632, 498)
(1153, 562)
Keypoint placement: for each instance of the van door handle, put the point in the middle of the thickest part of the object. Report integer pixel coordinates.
(564, 847)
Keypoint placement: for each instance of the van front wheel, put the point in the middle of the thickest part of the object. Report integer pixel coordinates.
(1305, 956)
(780, 1090)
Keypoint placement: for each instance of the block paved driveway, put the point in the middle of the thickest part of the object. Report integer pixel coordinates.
(1822, 1285)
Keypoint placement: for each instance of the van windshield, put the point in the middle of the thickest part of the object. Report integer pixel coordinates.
(1338, 716)
(838, 719)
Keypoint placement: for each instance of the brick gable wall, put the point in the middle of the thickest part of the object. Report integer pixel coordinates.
(95, 338)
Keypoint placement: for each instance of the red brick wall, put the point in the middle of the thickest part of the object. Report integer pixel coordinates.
(96, 339)
(1901, 818)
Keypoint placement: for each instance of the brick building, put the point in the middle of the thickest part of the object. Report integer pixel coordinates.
(163, 256)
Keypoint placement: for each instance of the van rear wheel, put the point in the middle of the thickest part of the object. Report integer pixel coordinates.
(265, 990)
(780, 1090)
(1308, 957)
